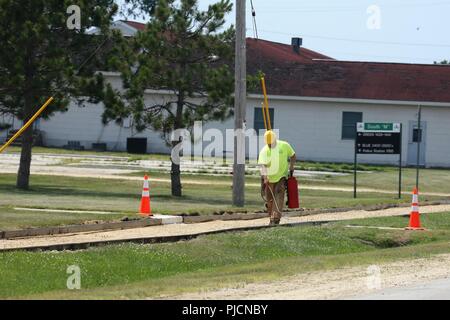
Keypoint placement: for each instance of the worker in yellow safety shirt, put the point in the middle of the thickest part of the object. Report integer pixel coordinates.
(277, 159)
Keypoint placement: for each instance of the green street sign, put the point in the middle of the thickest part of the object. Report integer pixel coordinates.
(378, 127)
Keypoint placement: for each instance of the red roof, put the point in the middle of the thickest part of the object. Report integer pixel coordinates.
(263, 51)
(311, 74)
(137, 25)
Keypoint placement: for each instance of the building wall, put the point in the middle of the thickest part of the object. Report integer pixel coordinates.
(438, 136)
(313, 128)
(84, 124)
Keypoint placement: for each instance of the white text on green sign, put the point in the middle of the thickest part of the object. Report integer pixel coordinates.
(378, 127)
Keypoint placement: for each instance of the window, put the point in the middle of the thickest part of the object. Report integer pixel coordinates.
(349, 121)
(417, 135)
(259, 120)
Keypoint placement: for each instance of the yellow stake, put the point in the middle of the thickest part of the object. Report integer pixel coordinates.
(25, 127)
(266, 103)
(264, 115)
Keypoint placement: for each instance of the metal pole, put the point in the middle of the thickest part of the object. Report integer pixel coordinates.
(419, 141)
(355, 168)
(240, 106)
(400, 164)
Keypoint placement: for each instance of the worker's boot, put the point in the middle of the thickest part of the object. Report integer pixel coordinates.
(274, 222)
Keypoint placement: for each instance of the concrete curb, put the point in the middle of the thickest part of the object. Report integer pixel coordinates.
(108, 226)
(35, 232)
(293, 213)
(225, 217)
(152, 240)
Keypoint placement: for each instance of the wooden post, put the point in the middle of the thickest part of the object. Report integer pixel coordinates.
(240, 106)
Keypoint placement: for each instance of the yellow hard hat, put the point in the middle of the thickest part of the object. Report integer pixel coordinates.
(270, 137)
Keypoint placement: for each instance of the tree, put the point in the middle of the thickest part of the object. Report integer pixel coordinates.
(183, 50)
(443, 62)
(42, 49)
(135, 8)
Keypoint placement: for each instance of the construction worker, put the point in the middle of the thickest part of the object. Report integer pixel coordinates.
(277, 160)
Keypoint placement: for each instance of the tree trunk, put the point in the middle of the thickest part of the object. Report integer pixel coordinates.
(175, 173)
(23, 176)
(175, 177)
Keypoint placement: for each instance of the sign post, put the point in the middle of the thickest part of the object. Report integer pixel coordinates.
(378, 138)
(419, 141)
(400, 166)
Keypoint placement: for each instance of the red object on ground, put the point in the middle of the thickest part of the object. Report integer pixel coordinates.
(414, 218)
(145, 202)
(293, 200)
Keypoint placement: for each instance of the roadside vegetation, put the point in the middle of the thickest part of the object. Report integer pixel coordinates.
(205, 192)
(62, 151)
(208, 262)
(203, 195)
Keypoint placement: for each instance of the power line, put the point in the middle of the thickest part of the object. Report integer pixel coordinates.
(255, 26)
(379, 56)
(334, 9)
(366, 41)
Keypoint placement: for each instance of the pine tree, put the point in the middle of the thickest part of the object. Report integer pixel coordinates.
(187, 52)
(41, 52)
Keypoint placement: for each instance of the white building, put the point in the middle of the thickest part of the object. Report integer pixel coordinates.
(315, 102)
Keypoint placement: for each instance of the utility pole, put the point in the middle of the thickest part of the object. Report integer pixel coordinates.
(240, 105)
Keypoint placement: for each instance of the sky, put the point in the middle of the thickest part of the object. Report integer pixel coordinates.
(407, 31)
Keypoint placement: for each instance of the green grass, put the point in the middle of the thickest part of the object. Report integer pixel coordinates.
(61, 151)
(370, 176)
(11, 219)
(114, 195)
(338, 167)
(431, 180)
(304, 165)
(377, 178)
(123, 197)
(134, 271)
(138, 271)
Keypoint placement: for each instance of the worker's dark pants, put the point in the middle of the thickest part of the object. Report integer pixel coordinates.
(278, 190)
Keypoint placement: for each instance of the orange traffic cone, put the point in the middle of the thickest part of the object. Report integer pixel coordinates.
(414, 218)
(145, 202)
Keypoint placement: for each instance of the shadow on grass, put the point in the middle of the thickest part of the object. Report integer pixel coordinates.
(50, 191)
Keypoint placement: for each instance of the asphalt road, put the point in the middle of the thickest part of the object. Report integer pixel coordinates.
(434, 290)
